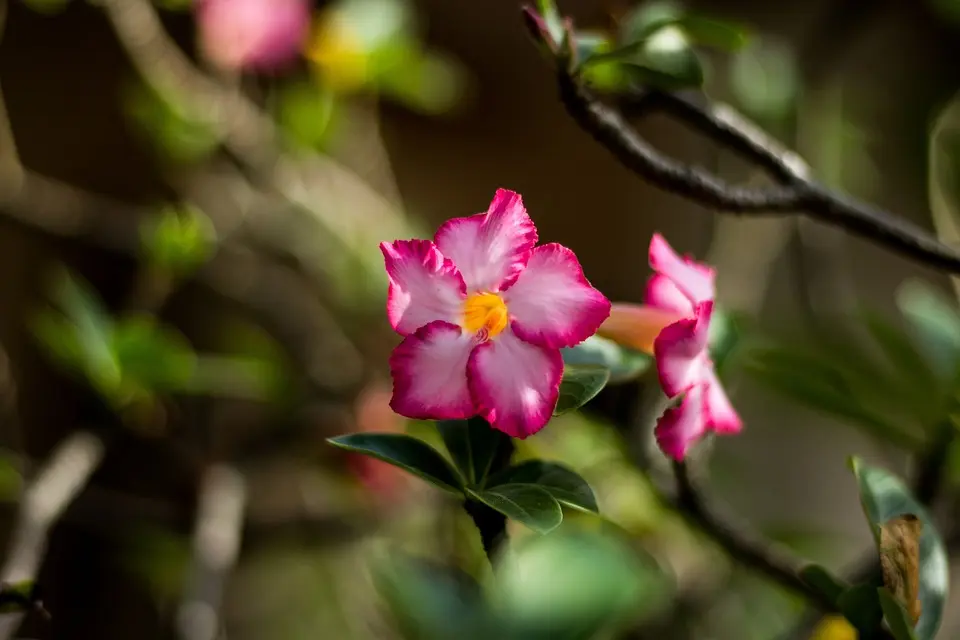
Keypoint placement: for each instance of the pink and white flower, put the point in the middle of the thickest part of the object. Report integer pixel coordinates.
(674, 325)
(484, 313)
(256, 35)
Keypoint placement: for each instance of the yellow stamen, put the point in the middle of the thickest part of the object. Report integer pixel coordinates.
(485, 314)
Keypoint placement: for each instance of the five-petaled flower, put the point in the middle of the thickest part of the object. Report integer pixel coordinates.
(484, 313)
(674, 325)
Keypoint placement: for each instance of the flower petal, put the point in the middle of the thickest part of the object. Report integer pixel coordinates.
(681, 351)
(490, 249)
(552, 304)
(424, 285)
(694, 279)
(636, 326)
(429, 370)
(664, 294)
(681, 426)
(514, 384)
(720, 414)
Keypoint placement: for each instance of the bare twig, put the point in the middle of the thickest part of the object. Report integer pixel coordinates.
(216, 545)
(44, 501)
(800, 195)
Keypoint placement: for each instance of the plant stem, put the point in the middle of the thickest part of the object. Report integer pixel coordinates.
(490, 523)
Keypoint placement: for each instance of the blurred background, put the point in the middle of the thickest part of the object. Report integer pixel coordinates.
(192, 293)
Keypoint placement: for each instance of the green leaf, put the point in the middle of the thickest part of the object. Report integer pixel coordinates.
(897, 619)
(561, 482)
(936, 324)
(624, 364)
(528, 504)
(726, 335)
(180, 239)
(647, 18)
(575, 585)
(473, 444)
(151, 357)
(18, 596)
(176, 134)
(667, 61)
(765, 79)
(548, 10)
(580, 384)
(824, 383)
(884, 496)
(823, 581)
(861, 607)
(714, 33)
(405, 452)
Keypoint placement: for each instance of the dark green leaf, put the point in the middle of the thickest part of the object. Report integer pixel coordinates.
(575, 585)
(714, 33)
(152, 357)
(896, 617)
(405, 452)
(473, 444)
(823, 581)
(884, 496)
(861, 607)
(624, 364)
(526, 503)
(936, 325)
(579, 385)
(563, 483)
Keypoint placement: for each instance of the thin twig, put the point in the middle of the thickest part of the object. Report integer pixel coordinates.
(45, 499)
(216, 545)
(741, 546)
(801, 195)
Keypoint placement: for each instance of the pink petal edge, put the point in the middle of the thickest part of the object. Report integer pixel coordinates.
(552, 304)
(490, 249)
(719, 412)
(515, 384)
(681, 351)
(694, 279)
(429, 370)
(662, 293)
(424, 285)
(681, 426)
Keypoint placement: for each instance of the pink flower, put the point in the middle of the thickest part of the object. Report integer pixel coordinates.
(484, 313)
(674, 326)
(259, 35)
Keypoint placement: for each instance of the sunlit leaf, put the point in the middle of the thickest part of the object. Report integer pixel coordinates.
(575, 585)
(580, 384)
(405, 452)
(528, 504)
(668, 61)
(884, 496)
(561, 482)
(647, 18)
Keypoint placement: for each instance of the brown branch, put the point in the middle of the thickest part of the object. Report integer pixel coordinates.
(798, 193)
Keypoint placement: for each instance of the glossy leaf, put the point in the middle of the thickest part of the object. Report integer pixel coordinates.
(580, 384)
(405, 452)
(647, 18)
(563, 483)
(528, 504)
(823, 581)
(668, 61)
(896, 617)
(473, 444)
(624, 364)
(576, 585)
(883, 497)
(936, 325)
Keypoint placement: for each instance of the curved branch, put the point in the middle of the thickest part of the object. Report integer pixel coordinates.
(798, 193)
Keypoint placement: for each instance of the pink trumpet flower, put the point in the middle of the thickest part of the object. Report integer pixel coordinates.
(674, 325)
(484, 313)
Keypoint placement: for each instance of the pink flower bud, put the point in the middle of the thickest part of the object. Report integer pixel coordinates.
(256, 35)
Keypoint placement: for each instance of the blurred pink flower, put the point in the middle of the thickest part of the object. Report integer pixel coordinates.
(373, 413)
(256, 35)
(484, 313)
(674, 325)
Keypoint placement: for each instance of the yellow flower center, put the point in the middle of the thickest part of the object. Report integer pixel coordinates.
(485, 314)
